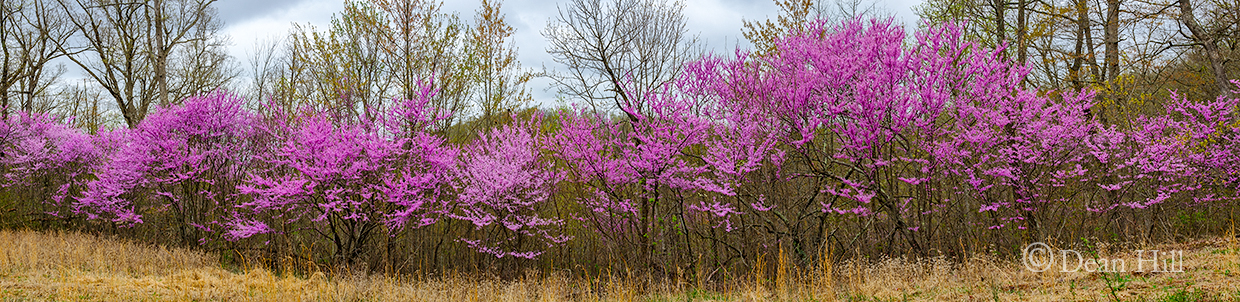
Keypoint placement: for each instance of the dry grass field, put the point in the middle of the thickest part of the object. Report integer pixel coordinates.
(65, 266)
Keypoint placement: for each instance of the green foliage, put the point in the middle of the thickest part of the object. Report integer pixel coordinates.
(1182, 295)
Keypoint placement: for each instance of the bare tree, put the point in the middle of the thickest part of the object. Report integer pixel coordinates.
(81, 101)
(129, 48)
(984, 21)
(1081, 20)
(264, 69)
(1208, 37)
(198, 61)
(1110, 40)
(32, 33)
(853, 9)
(616, 51)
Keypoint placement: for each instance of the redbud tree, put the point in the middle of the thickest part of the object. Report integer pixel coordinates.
(181, 165)
(45, 164)
(928, 141)
(350, 180)
(505, 184)
(845, 137)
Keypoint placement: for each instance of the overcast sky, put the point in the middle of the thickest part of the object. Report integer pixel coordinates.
(716, 22)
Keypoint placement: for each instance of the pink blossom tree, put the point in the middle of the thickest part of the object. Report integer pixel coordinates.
(901, 135)
(919, 141)
(844, 101)
(506, 185)
(1189, 156)
(47, 161)
(183, 163)
(646, 176)
(350, 181)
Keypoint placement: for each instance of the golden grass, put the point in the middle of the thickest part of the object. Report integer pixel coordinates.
(64, 266)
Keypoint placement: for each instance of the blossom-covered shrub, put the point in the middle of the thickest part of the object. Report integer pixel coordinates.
(1189, 156)
(350, 180)
(649, 179)
(46, 162)
(506, 185)
(846, 137)
(920, 142)
(182, 164)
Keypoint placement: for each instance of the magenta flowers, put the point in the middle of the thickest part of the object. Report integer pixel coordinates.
(506, 184)
(850, 126)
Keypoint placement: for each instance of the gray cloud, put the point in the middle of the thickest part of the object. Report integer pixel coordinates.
(240, 11)
(717, 23)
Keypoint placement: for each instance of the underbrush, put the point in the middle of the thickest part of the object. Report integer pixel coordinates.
(67, 266)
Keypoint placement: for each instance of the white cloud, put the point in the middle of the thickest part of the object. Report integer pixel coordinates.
(717, 22)
(277, 23)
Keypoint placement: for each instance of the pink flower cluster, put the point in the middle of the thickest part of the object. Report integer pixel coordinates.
(898, 129)
(904, 131)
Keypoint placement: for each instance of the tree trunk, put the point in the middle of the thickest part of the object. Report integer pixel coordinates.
(1209, 43)
(1078, 53)
(1110, 39)
(1000, 23)
(7, 76)
(161, 52)
(1022, 32)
